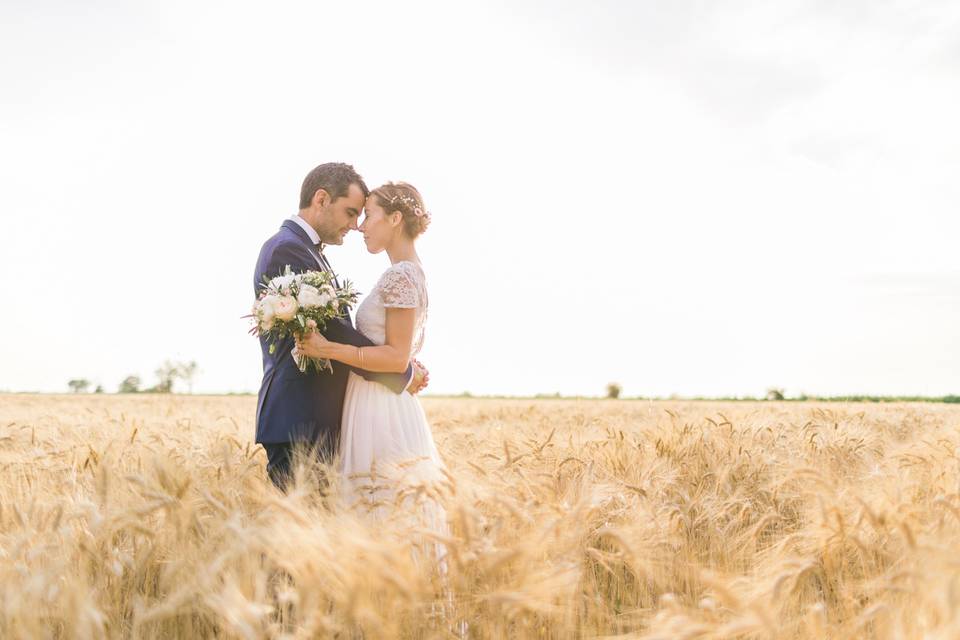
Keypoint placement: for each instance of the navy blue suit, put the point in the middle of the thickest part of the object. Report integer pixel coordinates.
(304, 408)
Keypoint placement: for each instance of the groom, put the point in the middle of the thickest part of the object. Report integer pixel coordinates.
(297, 409)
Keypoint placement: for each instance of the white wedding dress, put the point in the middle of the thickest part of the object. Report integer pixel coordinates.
(390, 467)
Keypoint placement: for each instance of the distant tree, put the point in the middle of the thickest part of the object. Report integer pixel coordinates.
(775, 394)
(613, 390)
(99, 389)
(167, 373)
(187, 371)
(79, 385)
(130, 384)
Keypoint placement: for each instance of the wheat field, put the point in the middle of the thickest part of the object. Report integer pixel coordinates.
(151, 517)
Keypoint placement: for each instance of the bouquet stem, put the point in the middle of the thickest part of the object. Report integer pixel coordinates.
(302, 362)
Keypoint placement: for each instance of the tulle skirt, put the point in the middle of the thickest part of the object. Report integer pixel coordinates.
(390, 467)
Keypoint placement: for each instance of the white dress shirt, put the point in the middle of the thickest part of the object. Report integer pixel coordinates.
(314, 236)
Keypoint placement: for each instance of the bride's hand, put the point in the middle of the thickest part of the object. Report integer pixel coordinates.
(314, 345)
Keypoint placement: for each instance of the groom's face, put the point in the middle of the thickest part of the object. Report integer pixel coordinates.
(338, 217)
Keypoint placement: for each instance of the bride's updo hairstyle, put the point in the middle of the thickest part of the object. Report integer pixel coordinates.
(403, 197)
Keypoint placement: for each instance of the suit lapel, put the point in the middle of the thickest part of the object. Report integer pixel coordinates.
(305, 239)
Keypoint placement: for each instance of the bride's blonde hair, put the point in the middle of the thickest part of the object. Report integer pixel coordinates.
(404, 197)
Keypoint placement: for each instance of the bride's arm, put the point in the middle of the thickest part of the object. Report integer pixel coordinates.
(391, 357)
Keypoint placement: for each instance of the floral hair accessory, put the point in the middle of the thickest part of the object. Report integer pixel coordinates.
(408, 202)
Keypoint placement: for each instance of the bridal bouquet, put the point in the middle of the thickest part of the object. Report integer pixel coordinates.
(294, 304)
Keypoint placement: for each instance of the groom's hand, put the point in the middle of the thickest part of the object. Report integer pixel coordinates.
(426, 374)
(421, 378)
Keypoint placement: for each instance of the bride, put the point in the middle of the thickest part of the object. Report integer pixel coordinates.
(389, 462)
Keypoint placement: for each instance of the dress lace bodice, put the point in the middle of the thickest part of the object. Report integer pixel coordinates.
(402, 286)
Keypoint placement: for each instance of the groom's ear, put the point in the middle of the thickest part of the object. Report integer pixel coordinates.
(320, 198)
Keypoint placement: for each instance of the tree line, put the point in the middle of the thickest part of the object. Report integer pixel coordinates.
(167, 375)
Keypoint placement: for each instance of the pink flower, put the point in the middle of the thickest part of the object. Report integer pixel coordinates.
(285, 308)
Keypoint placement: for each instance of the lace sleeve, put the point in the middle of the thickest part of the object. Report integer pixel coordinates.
(397, 290)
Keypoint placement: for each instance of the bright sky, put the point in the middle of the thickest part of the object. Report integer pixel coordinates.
(684, 197)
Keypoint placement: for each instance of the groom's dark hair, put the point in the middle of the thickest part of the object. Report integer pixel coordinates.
(334, 178)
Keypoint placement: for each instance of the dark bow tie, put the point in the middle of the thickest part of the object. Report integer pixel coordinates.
(319, 247)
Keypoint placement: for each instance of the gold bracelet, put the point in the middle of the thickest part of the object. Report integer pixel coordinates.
(360, 354)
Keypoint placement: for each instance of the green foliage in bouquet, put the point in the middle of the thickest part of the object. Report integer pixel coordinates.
(296, 304)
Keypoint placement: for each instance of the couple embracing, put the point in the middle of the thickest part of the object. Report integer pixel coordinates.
(363, 415)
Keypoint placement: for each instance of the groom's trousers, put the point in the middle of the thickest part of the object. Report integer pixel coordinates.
(280, 463)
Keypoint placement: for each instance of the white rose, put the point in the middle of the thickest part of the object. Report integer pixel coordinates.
(265, 310)
(309, 296)
(285, 308)
(267, 306)
(282, 282)
(324, 299)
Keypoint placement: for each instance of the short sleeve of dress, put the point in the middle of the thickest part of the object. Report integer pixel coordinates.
(397, 289)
